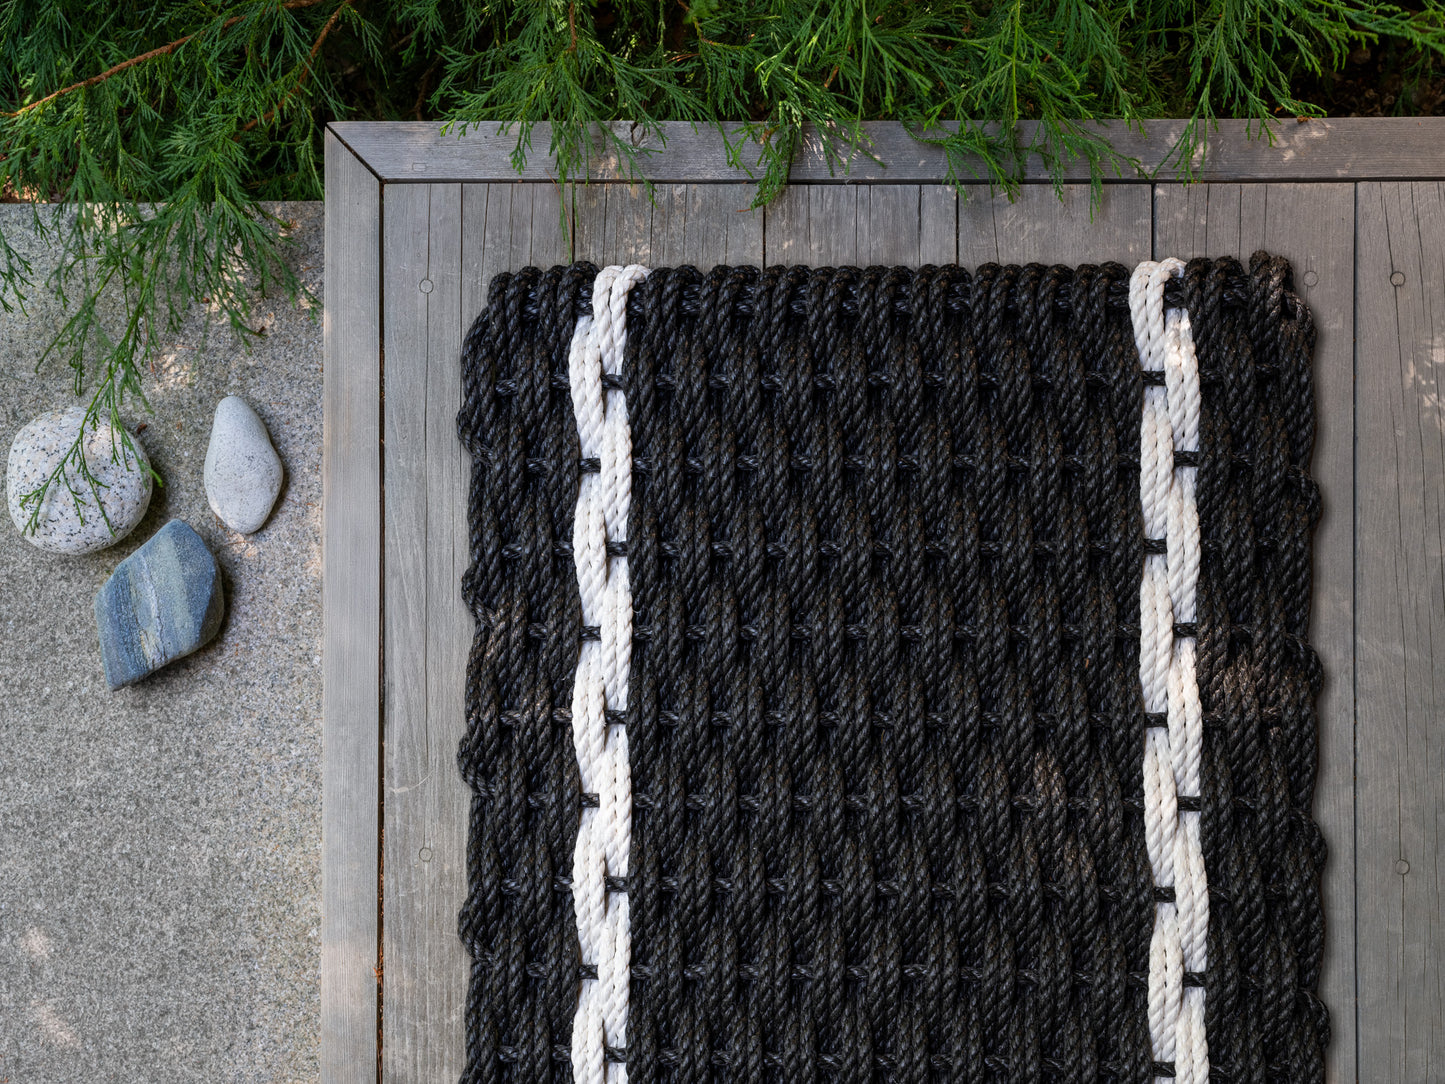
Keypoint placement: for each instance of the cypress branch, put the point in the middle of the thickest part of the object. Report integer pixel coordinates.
(162, 50)
(196, 115)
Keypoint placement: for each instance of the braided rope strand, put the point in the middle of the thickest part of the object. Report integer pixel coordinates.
(517, 922)
(599, 541)
(1258, 675)
(1170, 423)
(883, 721)
(966, 709)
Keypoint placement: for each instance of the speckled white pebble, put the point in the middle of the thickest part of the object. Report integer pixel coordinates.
(123, 473)
(243, 471)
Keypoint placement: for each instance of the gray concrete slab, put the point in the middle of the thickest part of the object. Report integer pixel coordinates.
(160, 875)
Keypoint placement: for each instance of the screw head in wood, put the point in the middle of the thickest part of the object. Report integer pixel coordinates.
(425, 285)
(1398, 278)
(1402, 867)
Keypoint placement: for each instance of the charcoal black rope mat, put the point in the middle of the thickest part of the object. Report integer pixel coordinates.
(892, 674)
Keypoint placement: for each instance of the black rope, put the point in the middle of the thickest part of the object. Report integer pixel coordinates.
(1265, 950)
(517, 921)
(956, 302)
(885, 722)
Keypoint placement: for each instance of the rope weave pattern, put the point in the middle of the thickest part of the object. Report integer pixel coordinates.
(518, 922)
(599, 541)
(887, 738)
(1257, 673)
(901, 779)
(1167, 673)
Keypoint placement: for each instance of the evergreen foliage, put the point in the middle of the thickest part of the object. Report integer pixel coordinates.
(160, 128)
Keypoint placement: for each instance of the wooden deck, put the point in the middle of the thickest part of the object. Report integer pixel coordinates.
(416, 225)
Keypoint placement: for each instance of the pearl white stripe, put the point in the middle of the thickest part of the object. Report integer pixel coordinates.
(1172, 753)
(604, 834)
(1169, 422)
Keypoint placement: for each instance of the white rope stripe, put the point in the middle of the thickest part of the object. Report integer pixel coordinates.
(1172, 754)
(604, 834)
(1167, 676)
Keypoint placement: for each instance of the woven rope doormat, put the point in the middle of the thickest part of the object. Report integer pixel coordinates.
(892, 675)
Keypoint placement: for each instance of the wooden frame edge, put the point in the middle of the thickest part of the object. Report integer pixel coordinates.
(1343, 149)
(358, 166)
(351, 469)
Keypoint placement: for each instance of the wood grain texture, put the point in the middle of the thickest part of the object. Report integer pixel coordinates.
(705, 224)
(1380, 148)
(506, 227)
(694, 224)
(938, 224)
(833, 226)
(432, 293)
(427, 634)
(1380, 458)
(351, 594)
(1047, 227)
(813, 226)
(1313, 226)
(512, 226)
(1399, 609)
(614, 222)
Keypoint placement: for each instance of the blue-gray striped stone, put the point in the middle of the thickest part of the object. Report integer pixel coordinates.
(162, 602)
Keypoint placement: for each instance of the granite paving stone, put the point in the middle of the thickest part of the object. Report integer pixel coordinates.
(160, 845)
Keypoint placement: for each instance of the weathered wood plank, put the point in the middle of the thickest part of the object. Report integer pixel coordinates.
(507, 227)
(614, 222)
(406, 238)
(705, 224)
(1399, 609)
(351, 619)
(1213, 220)
(938, 224)
(889, 225)
(427, 635)
(1313, 226)
(702, 225)
(1045, 227)
(437, 821)
(1374, 148)
(909, 224)
(820, 226)
(812, 226)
